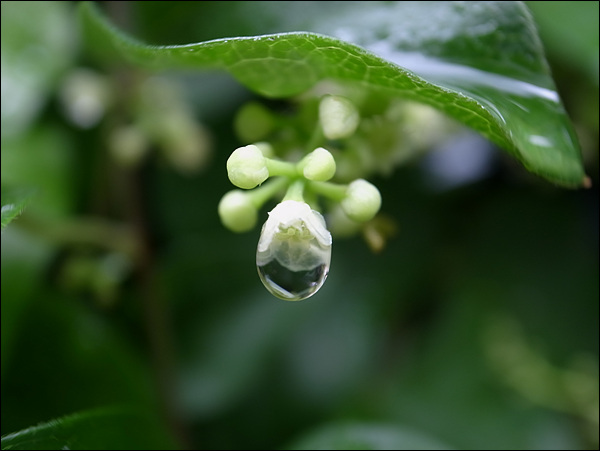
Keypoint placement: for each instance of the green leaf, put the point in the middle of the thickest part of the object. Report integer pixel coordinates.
(13, 202)
(365, 436)
(40, 159)
(109, 428)
(481, 63)
(38, 45)
(556, 22)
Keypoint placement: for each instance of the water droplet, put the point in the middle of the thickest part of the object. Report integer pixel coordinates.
(292, 285)
(294, 251)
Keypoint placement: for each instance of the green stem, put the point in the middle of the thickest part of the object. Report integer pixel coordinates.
(278, 167)
(316, 138)
(331, 190)
(86, 231)
(264, 192)
(295, 191)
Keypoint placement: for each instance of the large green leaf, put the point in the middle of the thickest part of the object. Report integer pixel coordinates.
(480, 62)
(113, 428)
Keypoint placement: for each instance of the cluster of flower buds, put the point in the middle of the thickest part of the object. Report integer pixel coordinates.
(294, 249)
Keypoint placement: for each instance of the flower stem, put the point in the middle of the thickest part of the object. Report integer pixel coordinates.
(316, 138)
(278, 167)
(295, 191)
(330, 190)
(264, 192)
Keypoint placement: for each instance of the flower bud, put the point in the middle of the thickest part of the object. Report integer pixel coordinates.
(247, 168)
(338, 116)
(362, 200)
(237, 212)
(319, 165)
(265, 148)
(85, 97)
(253, 122)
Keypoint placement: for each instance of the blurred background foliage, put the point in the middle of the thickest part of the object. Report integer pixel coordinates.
(475, 327)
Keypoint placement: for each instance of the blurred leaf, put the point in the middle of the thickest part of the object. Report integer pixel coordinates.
(24, 259)
(557, 21)
(486, 69)
(42, 159)
(38, 44)
(13, 202)
(365, 436)
(111, 428)
(87, 361)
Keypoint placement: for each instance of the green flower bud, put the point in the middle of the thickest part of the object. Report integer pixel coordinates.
(185, 143)
(340, 225)
(338, 116)
(266, 149)
(362, 201)
(319, 165)
(237, 211)
(247, 167)
(253, 122)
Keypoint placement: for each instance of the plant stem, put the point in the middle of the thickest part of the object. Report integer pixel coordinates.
(331, 190)
(278, 167)
(129, 193)
(295, 191)
(153, 303)
(263, 193)
(316, 138)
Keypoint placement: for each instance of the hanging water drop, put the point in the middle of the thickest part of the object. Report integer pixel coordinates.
(294, 251)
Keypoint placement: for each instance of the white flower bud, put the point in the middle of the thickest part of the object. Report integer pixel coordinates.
(362, 201)
(247, 168)
(85, 96)
(319, 165)
(237, 212)
(338, 116)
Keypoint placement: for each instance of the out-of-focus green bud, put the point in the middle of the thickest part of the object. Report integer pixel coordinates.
(338, 116)
(247, 167)
(362, 201)
(237, 211)
(319, 165)
(266, 149)
(185, 143)
(128, 145)
(253, 122)
(340, 225)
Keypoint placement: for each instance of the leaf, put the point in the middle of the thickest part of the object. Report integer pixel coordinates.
(109, 428)
(481, 63)
(13, 202)
(38, 45)
(365, 436)
(556, 22)
(42, 159)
